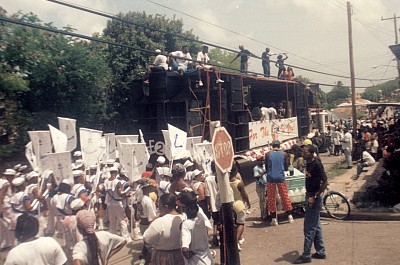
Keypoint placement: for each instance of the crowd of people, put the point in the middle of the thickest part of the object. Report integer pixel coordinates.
(182, 62)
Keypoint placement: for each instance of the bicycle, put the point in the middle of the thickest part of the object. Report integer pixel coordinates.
(334, 203)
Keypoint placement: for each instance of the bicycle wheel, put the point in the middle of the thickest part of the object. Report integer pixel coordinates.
(336, 205)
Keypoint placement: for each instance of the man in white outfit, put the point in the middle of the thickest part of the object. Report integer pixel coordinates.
(347, 147)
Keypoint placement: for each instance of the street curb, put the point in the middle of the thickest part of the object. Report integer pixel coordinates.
(373, 216)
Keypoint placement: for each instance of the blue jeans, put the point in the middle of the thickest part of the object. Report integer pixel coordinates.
(312, 229)
(360, 167)
(267, 69)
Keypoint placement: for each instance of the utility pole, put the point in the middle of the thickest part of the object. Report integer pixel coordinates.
(396, 39)
(352, 78)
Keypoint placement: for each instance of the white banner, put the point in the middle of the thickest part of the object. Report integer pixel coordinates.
(263, 133)
(126, 158)
(41, 142)
(91, 145)
(110, 145)
(127, 139)
(68, 126)
(140, 159)
(30, 155)
(167, 145)
(204, 156)
(190, 142)
(60, 163)
(60, 139)
(177, 138)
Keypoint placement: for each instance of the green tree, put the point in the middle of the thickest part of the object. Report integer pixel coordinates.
(337, 95)
(51, 75)
(372, 94)
(223, 58)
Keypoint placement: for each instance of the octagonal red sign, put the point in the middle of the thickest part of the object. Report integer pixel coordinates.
(222, 149)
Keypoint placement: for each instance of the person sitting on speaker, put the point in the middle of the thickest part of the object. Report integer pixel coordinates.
(181, 61)
(159, 64)
(203, 59)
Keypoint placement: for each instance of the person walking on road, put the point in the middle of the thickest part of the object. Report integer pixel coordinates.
(275, 165)
(347, 147)
(261, 180)
(316, 183)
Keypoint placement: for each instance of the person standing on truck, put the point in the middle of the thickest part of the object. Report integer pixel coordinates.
(276, 165)
(244, 58)
(316, 183)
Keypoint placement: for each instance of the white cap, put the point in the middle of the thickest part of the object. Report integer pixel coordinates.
(68, 181)
(196, 172)
(113, 169)
(10, 172)
(158, 50)
(17, 166)
(32, 175)
(18, 181)
(161, 160)
(187, 164)
(77, 153)
(21, 168)
(77, 173)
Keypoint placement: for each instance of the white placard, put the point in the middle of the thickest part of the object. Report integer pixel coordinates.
(60, 163)
(92, 145)
(41, 142)
(60, 139)
(30, 155)
(68, 126)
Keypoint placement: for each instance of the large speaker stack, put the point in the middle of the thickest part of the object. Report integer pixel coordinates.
(168, 101)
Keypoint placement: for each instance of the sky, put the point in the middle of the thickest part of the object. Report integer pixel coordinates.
(313, 33)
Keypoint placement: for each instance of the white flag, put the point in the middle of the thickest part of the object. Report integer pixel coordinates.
(60, 163)
(30, 155)
(110, 145)
(141, 155)
(68, 126)
(59, 139)
(191, 141)
(177, 139)
(41, 142)
(167, 145)
(91, 145)
(204, 156)
(128, 139)
(126, 157)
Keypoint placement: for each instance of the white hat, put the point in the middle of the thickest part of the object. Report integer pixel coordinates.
(158, 50)
(167, 174)
(68, 181)
(18, 181)
(32, 175)
(196, 172)
(21, 168)
(17, 166)
(9, 172)
(161, 160)
(113, 169)
(117, 165)
(77, 204)
(187, 164)
(77, 173)
(77, 153)
(310, 135)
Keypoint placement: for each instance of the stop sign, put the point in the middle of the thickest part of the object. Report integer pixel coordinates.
(222, 149)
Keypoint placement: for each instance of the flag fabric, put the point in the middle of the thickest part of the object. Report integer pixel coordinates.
(91, 145)
(204, 156)
(167, 145)
(110, 145)
(68, 126)
(191, 141)
(30, 155)
(125, 151)
(178, 140)
(60, 139)
(129, 139)
(60, 163)
(141, 157)
(41, 142)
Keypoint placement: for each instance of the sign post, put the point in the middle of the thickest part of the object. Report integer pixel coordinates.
(223, 157)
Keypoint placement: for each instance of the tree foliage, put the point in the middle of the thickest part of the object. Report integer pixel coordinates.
(385, 91)
(45, 75)
(337, 95)
(223, 58)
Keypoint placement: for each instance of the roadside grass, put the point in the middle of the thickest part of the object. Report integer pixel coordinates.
(336, 170)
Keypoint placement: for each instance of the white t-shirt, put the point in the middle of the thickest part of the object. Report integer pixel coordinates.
(161, 60)
(195, 238)
(164, 233)
(264, 113)
(211, 191)
(203, 57)
(148, 208)
(107, 242)
(183, 55)
(347, 141)
(273, 113)
(41, 251)
(368, 158)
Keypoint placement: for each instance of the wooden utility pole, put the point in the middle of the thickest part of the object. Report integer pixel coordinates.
(353, 84)
(396, 39)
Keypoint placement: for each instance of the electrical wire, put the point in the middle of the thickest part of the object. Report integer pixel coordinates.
(101, 13)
